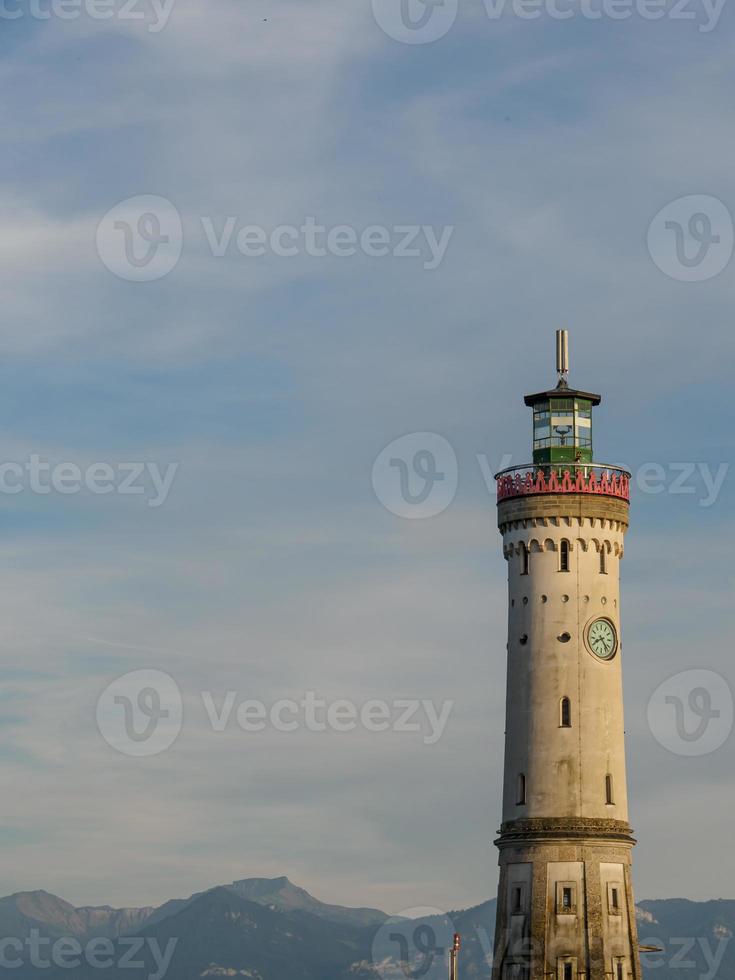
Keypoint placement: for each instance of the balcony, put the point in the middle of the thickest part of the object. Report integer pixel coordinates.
(593, 478)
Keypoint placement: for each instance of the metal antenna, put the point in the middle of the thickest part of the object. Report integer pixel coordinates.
(562, 357)
(453, 956)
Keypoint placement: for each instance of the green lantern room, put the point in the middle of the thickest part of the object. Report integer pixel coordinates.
(562, 425)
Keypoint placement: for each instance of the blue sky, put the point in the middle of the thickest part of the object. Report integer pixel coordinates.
(274, 383)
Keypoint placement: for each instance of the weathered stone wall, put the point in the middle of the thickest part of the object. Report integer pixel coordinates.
(566, 833)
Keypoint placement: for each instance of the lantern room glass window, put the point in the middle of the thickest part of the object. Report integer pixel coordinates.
(562, 423)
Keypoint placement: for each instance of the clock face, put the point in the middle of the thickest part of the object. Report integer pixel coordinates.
(602, 639)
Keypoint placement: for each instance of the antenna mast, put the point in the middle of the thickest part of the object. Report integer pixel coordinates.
(453, 955)
(562, 357)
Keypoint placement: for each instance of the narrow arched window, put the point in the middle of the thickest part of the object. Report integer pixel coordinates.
(566, 713)
(564, 556)
(609, 790)
(524, 559)
(521, 790)
(603, 560)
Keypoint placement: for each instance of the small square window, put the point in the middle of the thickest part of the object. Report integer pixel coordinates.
(615, 899)
(566, 898)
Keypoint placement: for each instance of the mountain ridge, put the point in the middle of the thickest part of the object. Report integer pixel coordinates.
(271, 929)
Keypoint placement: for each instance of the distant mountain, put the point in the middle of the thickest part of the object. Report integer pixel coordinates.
(270, 929)
(24, 912)
(220, 934)
(280, 893)
(223, 934)
(696, 937)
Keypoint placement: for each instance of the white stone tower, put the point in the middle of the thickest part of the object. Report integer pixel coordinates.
(565, 900)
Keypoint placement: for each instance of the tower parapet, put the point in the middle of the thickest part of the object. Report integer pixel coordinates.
(530, 480)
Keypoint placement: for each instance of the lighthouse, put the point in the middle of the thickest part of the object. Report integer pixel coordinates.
(565, 899)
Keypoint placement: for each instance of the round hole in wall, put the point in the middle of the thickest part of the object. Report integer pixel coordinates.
(564, 637)
(603, 601)
(544, 598)
(586, 598)
(523, 639)
(525, 600)
(512, 602)
(565, 598)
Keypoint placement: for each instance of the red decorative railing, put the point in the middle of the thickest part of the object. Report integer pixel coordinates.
(528, 480)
